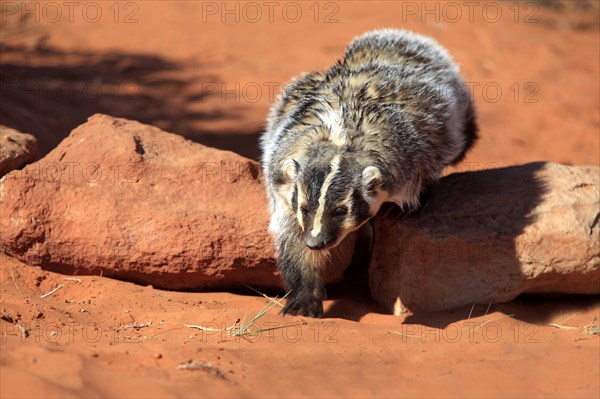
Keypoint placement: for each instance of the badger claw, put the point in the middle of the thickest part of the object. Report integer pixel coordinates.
(303, 306)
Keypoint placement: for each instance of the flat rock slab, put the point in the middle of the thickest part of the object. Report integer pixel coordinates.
(489, 236)
(16, 149)
(131, 201)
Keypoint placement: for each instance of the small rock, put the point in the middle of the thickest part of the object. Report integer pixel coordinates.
(16, 149)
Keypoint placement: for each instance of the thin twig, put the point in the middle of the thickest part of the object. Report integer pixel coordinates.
(58, 287)
(72, 279)
(195, 365)
(138, 326)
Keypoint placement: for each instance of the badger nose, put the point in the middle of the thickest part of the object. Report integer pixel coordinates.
(315, 243)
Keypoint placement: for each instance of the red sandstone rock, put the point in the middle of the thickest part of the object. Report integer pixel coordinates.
(130, 201)
(491, 235)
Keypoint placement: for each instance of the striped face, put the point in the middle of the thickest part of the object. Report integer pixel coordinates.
(332, 198)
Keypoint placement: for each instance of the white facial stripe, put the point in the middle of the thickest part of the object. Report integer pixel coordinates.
(333, 120)
(349, 219)
(317, 222)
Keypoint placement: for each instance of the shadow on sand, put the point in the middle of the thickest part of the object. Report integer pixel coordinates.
(48, 92)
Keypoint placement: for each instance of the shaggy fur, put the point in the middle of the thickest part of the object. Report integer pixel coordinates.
(378, 126)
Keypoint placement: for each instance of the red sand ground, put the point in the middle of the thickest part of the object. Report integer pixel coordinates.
(79, 345)
(164, 69)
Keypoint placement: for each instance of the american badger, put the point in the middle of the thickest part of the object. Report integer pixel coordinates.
(378, 126)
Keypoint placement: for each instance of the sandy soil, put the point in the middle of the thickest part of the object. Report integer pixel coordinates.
(190, 68)
(82, 342)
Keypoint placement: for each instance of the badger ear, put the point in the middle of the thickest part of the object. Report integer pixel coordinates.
(289, 170)
(371, 179)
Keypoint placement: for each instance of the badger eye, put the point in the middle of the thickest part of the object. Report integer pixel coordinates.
(304, 211)
(340, 211)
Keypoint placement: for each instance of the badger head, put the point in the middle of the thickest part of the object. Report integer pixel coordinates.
(332, 194)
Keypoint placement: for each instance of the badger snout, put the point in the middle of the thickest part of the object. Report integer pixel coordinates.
(315, 243)
(319, 242)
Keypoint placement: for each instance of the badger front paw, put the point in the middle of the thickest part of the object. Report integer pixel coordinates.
(303, 305)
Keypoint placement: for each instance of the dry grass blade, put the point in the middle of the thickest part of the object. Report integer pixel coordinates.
(405, 335)
(488, 309)
(561, 327)
(564, 320)
(559, 324)
(265, 296)
(477, 326)
(592, 330)
(208, 329)
(256, 332)
(245, 326)
(471, 312)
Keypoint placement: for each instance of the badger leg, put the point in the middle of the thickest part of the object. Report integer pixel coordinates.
(301, 271)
